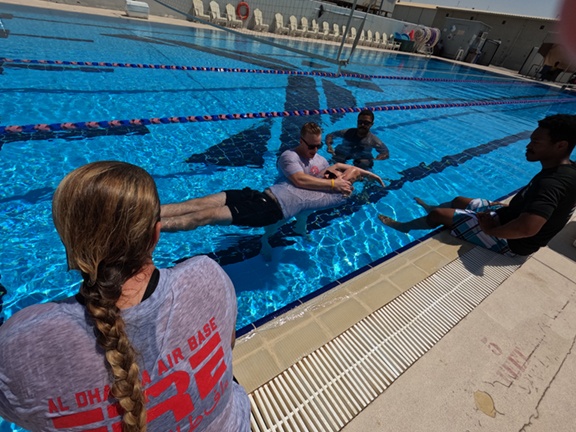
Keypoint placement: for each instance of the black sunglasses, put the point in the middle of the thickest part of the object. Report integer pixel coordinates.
(311, 146)
(365, 123)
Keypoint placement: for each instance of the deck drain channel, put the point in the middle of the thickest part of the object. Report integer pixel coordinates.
(329, 387)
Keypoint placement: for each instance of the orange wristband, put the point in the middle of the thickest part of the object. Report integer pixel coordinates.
(332, 184)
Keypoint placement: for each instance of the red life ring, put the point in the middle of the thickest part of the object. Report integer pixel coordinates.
(243, 16)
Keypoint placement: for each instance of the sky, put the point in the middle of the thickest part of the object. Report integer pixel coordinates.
(538, 8)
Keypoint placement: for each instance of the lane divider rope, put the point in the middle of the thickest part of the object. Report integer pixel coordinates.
(108, 124)
(254, 71)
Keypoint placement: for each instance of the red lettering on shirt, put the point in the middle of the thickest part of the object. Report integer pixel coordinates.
(162, 367)
(145, 378)
(177, 355)
(165, 394)
(208, 375)
(200, 337)
(57, 406)
(180, 404)
(213, 325)
(79, 419)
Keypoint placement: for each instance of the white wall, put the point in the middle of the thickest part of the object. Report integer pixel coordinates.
(518, 34)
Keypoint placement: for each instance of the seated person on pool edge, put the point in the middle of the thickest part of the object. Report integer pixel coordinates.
(358, 143)
(535, 214)
(105, 341)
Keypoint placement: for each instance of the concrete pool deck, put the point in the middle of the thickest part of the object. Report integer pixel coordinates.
(508, 365)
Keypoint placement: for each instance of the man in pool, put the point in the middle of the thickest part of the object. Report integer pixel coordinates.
(251, 208)
(307, 183)
(535, 214)
(358, 143)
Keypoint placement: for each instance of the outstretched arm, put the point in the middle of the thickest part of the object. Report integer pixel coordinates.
(353, 173)
(306, 181)
(330, 139)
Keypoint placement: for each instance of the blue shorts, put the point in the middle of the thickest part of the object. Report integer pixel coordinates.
(465, 226)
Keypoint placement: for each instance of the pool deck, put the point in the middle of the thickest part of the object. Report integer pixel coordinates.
(508, 365)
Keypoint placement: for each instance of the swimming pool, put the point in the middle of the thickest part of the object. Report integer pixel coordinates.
(436, 153)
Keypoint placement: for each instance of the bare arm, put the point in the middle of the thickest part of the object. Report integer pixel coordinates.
(306, 181)
(330, 139)
(383, 152)
(382, 156)
(525, 225)
(353, 173)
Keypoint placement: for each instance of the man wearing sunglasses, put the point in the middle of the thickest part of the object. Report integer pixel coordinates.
(309, 184)
(358, 143)
(304, 167)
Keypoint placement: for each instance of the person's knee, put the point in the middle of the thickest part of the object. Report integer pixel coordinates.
(439, 216)
(460, 202)
(433, 218)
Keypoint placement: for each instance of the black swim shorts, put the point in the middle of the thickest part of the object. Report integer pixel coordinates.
(252, 208)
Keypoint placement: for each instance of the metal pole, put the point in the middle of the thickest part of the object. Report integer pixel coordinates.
(355, 43)
(346, 32)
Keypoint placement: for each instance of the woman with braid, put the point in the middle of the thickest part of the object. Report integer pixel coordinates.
(138, 348)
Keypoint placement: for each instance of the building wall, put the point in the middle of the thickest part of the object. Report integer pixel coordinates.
(418, 15)
(518, 34)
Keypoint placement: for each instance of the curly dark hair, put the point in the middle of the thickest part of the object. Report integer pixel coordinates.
(561, 127)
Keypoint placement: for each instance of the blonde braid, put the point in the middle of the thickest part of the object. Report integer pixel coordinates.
(106, 213)
(121, 356)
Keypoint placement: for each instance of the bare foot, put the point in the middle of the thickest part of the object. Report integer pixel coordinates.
(392, 223)
(426, 207)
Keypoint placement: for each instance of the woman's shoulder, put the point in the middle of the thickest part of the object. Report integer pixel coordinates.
(31, 316)
(200, 263)
(37, 323)
(197, 271)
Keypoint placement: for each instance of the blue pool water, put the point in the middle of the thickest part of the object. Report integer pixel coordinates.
(435, 153)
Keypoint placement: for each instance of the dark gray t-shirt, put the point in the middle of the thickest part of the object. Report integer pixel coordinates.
(355, 147)
(53, 376)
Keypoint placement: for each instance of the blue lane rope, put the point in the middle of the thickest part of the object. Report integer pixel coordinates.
(108, 124)
(254, 71)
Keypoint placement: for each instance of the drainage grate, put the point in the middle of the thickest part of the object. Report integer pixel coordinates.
(326, 389)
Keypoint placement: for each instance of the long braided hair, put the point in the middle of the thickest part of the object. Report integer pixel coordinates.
(105, 214)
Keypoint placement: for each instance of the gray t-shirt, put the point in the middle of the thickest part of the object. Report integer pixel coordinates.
(53, 376)
(289, 163)
(294, 200)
